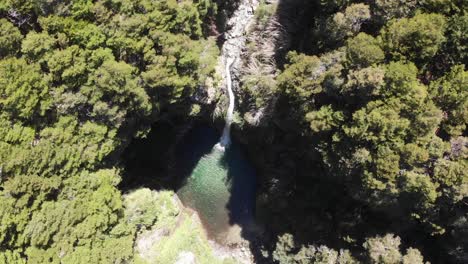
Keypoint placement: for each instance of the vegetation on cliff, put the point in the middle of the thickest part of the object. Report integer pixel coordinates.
(368, 132)
(79, 79)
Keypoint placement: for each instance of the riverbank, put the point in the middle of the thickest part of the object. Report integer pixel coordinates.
(182, 239)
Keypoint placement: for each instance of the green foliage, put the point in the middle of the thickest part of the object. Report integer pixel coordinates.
(450, 173)
(401, 82)
(35, 45)
(264, 12)
(444, 6)
(114, 92)
(24, 89)
(144, 207)
(383, 249)
(287, 251)
(78, 32)
(388, 9)
(455, 48)
(325, 119)
(417, 39)
(413, 256)
(363, 51)
(68, 66)
(90, 217)
(348, 23)
(10, 38)
(372, 102)
(386, 250)
(377, 123)
(414, 155)
(187, 237)
(11, 257)
(302, 76)
(422, 186)
(71, 91)
(81, 146)
(177, 17)
(183, 65)
(365, 83)
(380, 119)
(450, 94)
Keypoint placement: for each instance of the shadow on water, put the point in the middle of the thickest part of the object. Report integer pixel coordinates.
(196, 144)
(242, 182)
(160, 161)
(219, 185)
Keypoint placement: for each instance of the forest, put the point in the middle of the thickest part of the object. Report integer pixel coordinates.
(353, 113)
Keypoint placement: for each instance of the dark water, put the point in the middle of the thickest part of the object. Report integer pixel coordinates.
(220, 185)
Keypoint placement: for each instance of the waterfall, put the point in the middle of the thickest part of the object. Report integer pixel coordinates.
(231, 56)
(226, 137)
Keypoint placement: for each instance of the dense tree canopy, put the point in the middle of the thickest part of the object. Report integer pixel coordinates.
(377, 91)
(77, 80)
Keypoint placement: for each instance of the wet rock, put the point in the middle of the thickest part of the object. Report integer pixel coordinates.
(234, 45)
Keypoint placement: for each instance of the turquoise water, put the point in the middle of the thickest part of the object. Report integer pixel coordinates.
(220, 185)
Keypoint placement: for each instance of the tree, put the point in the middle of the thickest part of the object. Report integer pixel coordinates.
(348, 23)
(113, 91)
(143, 208)
(388, 9)
(454, 47)
(417, 39)
(450, 173)
(364, 83)
(302, 77)
(178, 18)
(444, 6)
(10, 38)
(82, 224)
(9, 256)
(325, 119)
(402, 83)
(82, 146)
(35, 45)
(385, 250)
(71, 91)
(420, 188)
(287, 251)
(363, 51)
(68, 66)
(414, 155)
(377, 123)
(413, 256)
(23, 95)
(450, 94)
(181, 65)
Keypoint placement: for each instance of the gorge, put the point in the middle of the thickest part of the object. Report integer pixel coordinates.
(233, 131)
(221, 186)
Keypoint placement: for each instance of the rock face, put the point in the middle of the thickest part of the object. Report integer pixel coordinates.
(254, 42)
(268, 42)
(236, 38)
(234, 45)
